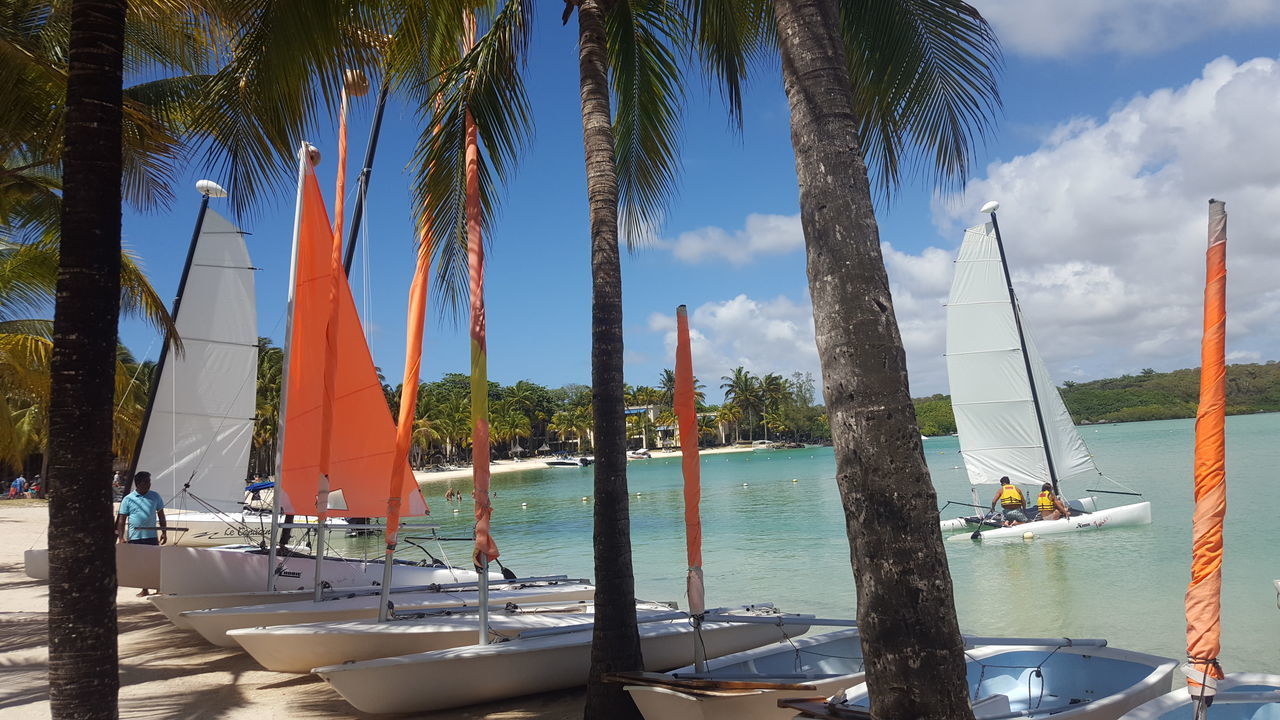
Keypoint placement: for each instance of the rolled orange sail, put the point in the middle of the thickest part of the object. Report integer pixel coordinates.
(687, 419)
(409, 388)
(1204, 594)
(361, 436)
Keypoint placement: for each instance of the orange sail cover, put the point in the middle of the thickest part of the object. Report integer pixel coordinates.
(408, 392)
(1204, 594)
(687, 419)
(362, 439)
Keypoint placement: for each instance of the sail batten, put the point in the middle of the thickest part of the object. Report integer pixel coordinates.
(993, 397)
(200, 429)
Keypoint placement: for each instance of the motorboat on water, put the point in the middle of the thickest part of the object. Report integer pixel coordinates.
(1240, 696)
(214, 624)
(570, 461)
(1037, 681)
(300, 647)
(533, 662)
(1011, 419)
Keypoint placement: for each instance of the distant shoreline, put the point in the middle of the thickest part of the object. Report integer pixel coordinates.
(497, 467)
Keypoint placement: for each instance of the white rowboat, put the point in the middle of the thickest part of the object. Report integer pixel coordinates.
(1241, 696)
(1063, 683)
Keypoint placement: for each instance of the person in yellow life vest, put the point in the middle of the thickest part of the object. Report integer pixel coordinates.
(1049, 505)
(1012, 503)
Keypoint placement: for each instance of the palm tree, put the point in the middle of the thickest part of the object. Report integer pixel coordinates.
(877, 78)
(729, 414)
(83, 679)
(772, 390)
(742, 390)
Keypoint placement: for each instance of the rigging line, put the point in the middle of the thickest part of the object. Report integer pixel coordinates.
(365, 263)
(134, 380)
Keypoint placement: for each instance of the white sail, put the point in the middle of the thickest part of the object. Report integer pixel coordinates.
(990, 392)
(201, 424)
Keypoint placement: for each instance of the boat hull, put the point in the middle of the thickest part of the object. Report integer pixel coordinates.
(299, 648)
(829, 663)
(1062, 683)
(136, 565)
(214, 624)
(522, 667)
(1176, 705)
(1106, 519)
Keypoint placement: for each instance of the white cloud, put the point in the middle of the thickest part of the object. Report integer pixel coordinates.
(1105, 229)
(761, 335)
(760, 235)
(1105, 223)
(1058, 28)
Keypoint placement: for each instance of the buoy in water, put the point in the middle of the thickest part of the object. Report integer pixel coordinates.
(795, 480)
(1028, 535)
(637, 494)
(524, 504)
(744, 484)
(584, 498)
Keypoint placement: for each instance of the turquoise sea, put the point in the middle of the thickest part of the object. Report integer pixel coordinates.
(769, 539)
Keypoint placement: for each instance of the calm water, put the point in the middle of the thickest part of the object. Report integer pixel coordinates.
(769, 539)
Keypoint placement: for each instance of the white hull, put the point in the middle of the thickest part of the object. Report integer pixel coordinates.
(1062, 683)
(195, 571)
(825, 664)
(136, 565)
(481, 673)
(1177, 704)
(971, 522)
(1123, 516)
(299, 648)
(214, 624)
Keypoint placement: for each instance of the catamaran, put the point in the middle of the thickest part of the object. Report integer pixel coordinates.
(1011, 420)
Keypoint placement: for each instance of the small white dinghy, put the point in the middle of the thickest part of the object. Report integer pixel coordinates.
(747, 685)
(1241, 696)
(298, 648)
(1063, 683)
(1011, 419)
(214, 624)
(531, 663)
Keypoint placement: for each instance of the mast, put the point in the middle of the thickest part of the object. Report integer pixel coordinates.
(991, 208)
(362, 188)
(208, 189)
(687, 420)
(284, 372)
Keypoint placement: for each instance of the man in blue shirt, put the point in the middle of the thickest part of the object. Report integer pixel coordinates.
(16, 487)
(139, 511)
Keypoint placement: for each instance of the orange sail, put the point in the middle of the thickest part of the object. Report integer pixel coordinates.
(408, 390)
(1204, 594)
(361, 437)
(687, 418)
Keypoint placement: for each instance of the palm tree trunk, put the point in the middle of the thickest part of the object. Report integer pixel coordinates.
(83, 679)
(615, 642)
(906, 610)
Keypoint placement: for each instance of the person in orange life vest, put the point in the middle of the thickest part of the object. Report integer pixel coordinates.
(1050, 505)
(1012, 503)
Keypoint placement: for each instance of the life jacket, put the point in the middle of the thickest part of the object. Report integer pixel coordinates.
(1045, 503)
(1010, 496)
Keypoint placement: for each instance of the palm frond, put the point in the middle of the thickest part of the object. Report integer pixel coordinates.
(487, 83)
(647, 88)
(924, 84)
(729, 36)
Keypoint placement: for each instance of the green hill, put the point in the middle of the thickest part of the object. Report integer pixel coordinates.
(1149, 395)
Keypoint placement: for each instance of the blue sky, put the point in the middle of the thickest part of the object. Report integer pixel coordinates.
(1097, 159)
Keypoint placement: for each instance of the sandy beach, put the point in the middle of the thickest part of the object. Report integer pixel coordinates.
(169, 673)
(497, 467)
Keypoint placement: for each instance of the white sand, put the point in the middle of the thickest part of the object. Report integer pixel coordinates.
(168, 673)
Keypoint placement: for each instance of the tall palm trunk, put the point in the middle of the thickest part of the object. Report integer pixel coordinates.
(615, 642)
(83, 679)
(906, 610)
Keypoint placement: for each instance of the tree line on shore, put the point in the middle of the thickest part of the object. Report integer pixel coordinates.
(1149, 395)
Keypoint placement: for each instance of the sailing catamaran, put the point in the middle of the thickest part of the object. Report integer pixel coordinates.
(1011, 419)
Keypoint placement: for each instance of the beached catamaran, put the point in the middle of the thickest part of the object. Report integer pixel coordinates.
(1011, 420)
(1238, 696)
